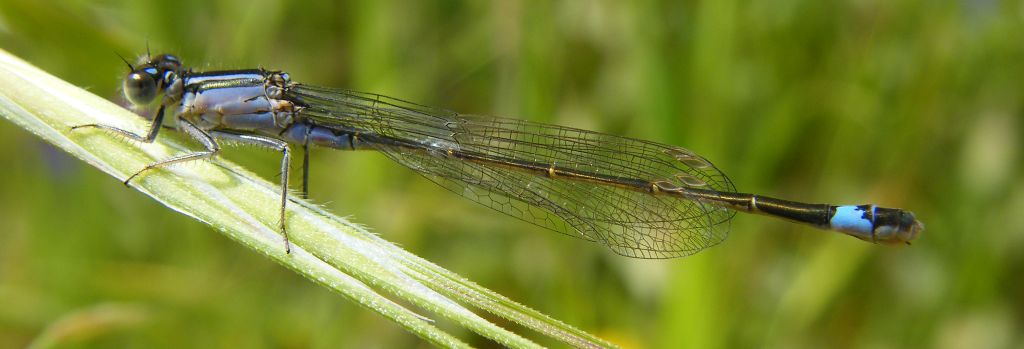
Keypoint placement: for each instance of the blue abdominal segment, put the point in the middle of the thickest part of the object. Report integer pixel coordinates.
(854, 219)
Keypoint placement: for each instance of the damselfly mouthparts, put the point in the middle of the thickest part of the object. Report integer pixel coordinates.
(640, 198)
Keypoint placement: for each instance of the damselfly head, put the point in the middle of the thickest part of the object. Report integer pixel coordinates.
(148, 79)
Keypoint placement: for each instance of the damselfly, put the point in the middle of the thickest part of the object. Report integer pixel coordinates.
(639, 198)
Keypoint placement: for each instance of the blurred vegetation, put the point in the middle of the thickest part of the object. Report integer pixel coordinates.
(913, 104)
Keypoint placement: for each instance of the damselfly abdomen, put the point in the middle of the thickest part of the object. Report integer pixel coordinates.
(640, 198)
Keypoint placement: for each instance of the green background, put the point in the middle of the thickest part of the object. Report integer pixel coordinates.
(912, 104)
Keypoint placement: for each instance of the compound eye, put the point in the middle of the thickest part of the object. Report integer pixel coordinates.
(140, 88)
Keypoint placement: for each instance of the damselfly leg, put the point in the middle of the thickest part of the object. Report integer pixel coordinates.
(212, 148)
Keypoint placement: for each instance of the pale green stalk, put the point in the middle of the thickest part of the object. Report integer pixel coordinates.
(325, 248)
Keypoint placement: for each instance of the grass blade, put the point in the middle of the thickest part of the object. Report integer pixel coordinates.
(327, 249)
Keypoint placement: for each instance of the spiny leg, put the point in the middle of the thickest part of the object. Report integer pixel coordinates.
(305, 164)
(154, 128)
(212, 149)
(274, 144)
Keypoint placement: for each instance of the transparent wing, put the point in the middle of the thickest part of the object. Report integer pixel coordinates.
(630, 222)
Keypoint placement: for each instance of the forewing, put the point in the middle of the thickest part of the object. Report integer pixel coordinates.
(633, 223)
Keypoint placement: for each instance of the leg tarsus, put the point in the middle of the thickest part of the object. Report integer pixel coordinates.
(305, 171)
(305, 163)
(287, 242)
(127, 182)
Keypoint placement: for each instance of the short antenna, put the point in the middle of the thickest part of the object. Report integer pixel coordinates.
(130, 67)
